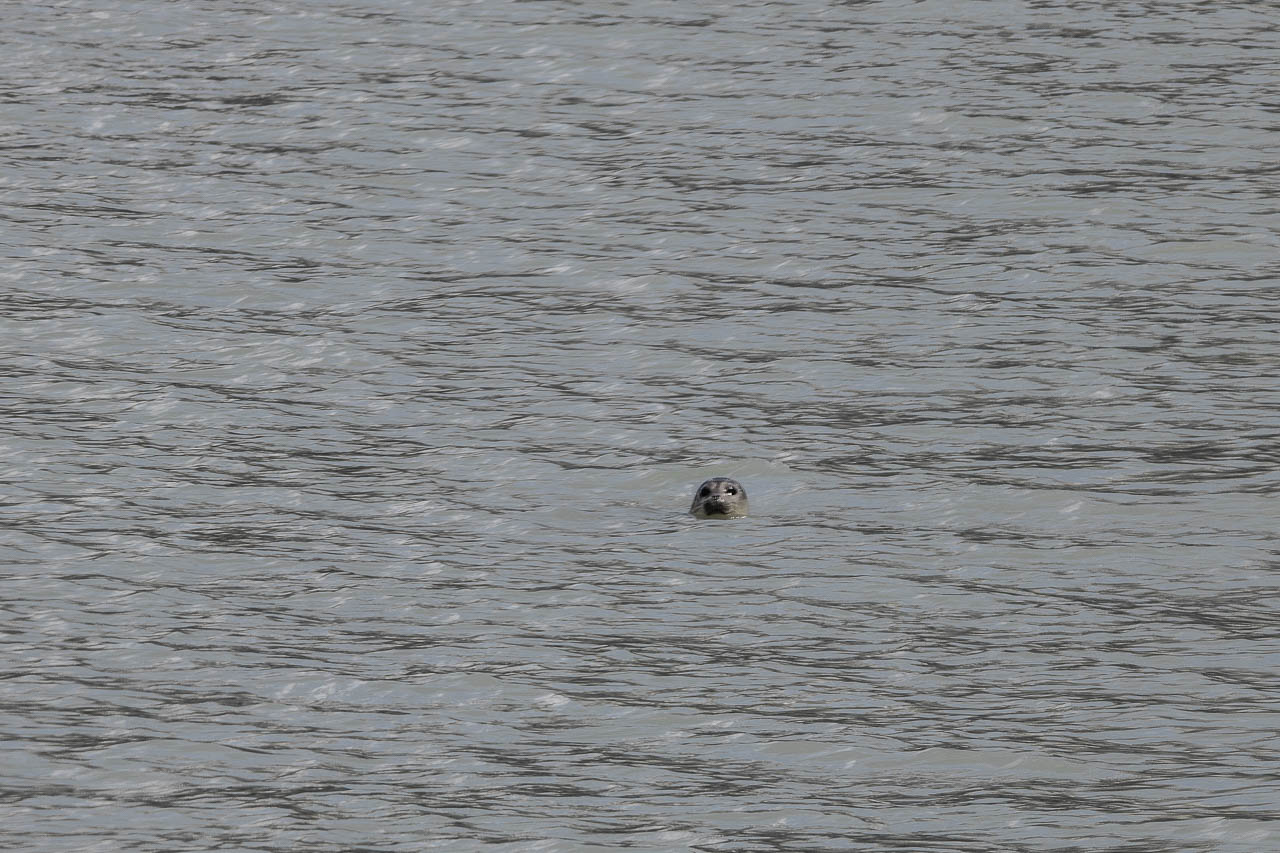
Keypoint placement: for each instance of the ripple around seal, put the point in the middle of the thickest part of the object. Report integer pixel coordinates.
(359, 370)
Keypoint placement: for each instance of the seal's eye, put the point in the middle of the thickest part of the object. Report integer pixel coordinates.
(731, 490)
(705, 491)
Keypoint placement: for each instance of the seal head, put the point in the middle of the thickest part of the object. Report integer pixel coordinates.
(720, 497)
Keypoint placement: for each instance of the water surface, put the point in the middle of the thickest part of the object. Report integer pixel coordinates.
(362, 359)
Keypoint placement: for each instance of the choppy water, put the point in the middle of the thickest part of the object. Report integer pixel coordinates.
(360, 361)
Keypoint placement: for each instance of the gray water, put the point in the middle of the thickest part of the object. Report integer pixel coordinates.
(361, 360)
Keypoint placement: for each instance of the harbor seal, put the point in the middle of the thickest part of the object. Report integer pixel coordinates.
(720, 497)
